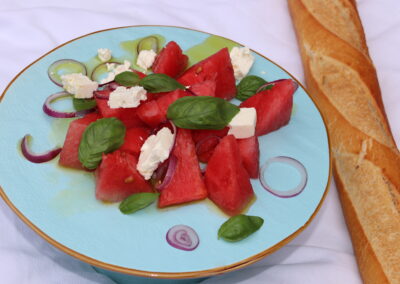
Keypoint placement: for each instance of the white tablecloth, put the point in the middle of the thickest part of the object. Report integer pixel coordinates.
(28, 29)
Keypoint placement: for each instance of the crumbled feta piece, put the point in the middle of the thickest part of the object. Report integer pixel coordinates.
(110, 66)
(115, 69)
(104, 54)
(242, 60)
(146, 58)
(123, 97)
(243, 124)
(154, 151)
(79, 85)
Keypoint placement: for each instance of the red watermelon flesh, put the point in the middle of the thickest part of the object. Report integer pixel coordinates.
(274, 106)
(127, 115)
(217, 67)
(186, 184)
(205, 148)
(226, 179)
(134, 139)
(201, 134)
(69, 153)
(250, 153)
(206, 141)
(150, 113)
(155, 112)
(117, 177)
(205, 88)
(170, 61)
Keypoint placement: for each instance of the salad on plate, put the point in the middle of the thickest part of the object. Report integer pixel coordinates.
(171, 133)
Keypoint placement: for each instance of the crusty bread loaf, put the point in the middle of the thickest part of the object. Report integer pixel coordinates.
(342, 80)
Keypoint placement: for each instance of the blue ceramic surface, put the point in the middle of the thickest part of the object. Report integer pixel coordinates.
(62, 204)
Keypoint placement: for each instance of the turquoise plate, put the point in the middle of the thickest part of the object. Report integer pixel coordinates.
(60, 204)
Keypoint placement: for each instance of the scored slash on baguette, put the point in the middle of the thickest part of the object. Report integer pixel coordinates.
(366, 162)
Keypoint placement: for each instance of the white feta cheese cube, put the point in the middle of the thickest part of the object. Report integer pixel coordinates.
(155, 150)
(242, 60)
(123, 97)
(243, 124)
(104, 54)
(115, 69)
(146, 58)
(79, 85)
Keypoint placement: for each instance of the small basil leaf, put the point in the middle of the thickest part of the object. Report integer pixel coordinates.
(83, 104)
(248, 86)
(127, 79)
(102, 136)
(157, 83)
(202, 112)
(239, 227)
(137, 201)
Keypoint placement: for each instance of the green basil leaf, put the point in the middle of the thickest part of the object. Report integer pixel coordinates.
(83, 104)
(102, 136)
(137, 201)
(157, 83)
(239, 227)
(202, 112)
(248, 86)
(127, 79)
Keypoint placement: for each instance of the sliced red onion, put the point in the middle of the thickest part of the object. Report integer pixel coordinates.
(100, 70)
(290, 161)
(183, 237)
(112, 86)
(37, 158)
(47, 108)
(172, 162)
(145, 43)
(102, 94)
(63, 67)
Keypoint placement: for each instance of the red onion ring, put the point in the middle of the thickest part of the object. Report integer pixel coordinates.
(93, 76)
(55, 64)
(100, 95)
(59, 114)
(183, 237)
(172, 162)
(290, 161)
(37, 158)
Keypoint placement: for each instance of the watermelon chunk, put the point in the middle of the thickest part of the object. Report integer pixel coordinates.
(170, 61)
(69, 153)
(250, 153)
(206, 141)
(117, 177)
(127, 115)
(150, 113)
(205, 88)
(274, 106)
(226, 179)
(218, 68)
(134, 139)
(186, 183)
(155, 112)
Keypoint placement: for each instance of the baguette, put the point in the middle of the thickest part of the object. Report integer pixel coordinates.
(342, 80)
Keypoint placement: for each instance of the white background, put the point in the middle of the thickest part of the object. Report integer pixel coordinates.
(28, 29)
